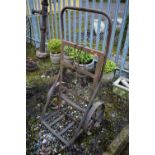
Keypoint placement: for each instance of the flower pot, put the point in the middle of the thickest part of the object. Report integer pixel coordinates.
(83, 77)
(107, 77)
(67, 59)
(55, 58)
(89, 67)
(120, 89)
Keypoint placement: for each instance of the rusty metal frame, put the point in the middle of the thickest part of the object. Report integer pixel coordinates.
(83, 123)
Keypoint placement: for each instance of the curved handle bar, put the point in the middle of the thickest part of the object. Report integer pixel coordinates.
(88, 10)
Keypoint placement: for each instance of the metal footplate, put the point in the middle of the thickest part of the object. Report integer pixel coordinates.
(64, 115)
(64, 120)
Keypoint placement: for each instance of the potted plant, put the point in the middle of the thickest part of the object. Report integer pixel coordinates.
(54, 48)
(69, 53)
(84, 60)
(108, 74)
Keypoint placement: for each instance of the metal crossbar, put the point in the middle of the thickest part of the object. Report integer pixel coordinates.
(64, 97)
(56, 120)
(54, 133)
(65, 129)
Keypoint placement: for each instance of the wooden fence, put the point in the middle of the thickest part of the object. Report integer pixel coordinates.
(79, 26)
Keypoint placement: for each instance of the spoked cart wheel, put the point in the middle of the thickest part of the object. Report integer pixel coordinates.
(95, 115)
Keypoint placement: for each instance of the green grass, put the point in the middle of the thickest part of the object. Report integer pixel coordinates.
(34, 78)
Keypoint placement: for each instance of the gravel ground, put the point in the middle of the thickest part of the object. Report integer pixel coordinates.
(41, 142)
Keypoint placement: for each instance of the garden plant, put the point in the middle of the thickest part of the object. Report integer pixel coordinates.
(109, 71)
(54, 48)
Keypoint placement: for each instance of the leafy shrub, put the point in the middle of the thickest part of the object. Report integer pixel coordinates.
(54, 46)
(69, 51)
(82, 57)
(110, 66)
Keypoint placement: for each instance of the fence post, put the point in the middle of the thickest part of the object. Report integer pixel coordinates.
(59, 18)
(51, 17)
(92, 26)
(65, 31)
(74, 27)
(125, 52)
(122, 31)
(86, 25)
(114, 29)
(106, 26)
(34, 24)
(55, 19)
(80, 21)
(99, 26)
